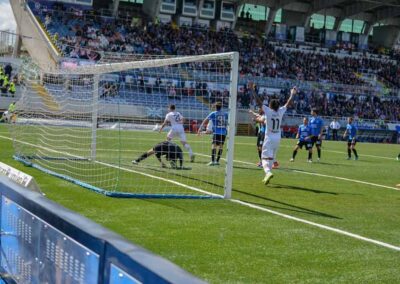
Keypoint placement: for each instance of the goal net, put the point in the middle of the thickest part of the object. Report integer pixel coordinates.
(99, 125)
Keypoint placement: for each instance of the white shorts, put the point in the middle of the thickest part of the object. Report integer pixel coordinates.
(174, 132)
(270, 146)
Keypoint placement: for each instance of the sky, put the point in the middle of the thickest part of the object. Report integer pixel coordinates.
(7, 21)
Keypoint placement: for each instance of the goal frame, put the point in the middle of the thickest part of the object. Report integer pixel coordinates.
(106, 68)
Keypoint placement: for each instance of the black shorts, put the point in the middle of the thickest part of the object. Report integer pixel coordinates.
(260, 139)
(308, 144)
(218, 139)
(315, 140)
(351, 142)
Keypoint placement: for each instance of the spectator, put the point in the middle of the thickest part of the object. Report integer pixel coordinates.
(334, 127)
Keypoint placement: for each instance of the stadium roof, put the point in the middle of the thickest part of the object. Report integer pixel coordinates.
(372, 11)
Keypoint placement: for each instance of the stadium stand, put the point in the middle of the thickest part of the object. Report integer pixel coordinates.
(339, 79)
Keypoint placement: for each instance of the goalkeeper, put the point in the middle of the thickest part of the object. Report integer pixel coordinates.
(171, 151)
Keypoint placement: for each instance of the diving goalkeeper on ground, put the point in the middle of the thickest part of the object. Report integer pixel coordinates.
(171, 151)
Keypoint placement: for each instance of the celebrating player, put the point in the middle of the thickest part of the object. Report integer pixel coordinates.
(219, 120)
(171, 151)
(316, 127)
(304, 136)
(260, 118)
(351, 131)
(274, 115)
(175, 119)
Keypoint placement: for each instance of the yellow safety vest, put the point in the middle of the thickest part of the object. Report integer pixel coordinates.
(12, 87)
(5, 82)
(11, 108)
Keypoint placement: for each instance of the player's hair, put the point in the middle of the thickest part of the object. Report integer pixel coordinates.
(172, 107)
(314, 110)
(218, 106)
(274, 104)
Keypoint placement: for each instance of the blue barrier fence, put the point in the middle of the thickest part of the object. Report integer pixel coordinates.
(42, 242)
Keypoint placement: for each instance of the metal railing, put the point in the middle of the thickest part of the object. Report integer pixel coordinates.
(7, 42)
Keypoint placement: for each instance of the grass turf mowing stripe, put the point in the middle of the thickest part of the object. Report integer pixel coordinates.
(317, 174)
(243, 203)
(324, 227)
(124, 169)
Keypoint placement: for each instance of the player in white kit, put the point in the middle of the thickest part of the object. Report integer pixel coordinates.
(175, 119)
(274, 115)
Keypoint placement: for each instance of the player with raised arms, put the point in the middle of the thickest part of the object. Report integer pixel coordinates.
(219, 120)
(351, 132)
(171, 151)
(175, 119)
(304, 136)
(273, 115)
(316, 127)
(260, 118)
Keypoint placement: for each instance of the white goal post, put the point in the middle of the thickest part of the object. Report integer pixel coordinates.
(88, 124)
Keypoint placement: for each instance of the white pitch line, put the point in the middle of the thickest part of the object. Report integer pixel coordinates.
(324, 227)
(121, 168)
(321, 175)
(330, 151)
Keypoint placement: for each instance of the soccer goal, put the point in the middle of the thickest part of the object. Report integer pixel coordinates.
(100, 126)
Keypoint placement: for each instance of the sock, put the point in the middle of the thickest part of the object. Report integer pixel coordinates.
(294, 154)
(398, 156)
(219, 154)
(319, 153)
(141, 158)
(267, 165)
(187, 146)
(213, 151)
(355, 153)
(310, 155)
(259, 154)
(349, 153)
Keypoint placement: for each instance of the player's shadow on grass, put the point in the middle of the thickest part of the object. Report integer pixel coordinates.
(332, 164)
(254, 168)
(291, 187)
(292, 208)
(172, 172)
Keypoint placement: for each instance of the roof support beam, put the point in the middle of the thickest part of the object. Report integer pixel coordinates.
(386, 13)
(358, 8)
(319, 5)
(270, 20)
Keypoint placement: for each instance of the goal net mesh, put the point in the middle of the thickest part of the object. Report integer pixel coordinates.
(87, 124)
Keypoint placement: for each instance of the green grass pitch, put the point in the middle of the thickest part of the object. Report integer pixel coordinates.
(225, 242)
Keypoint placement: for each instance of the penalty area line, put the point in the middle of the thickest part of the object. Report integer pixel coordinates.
(243, 203)
(324, 227)
(320, 175)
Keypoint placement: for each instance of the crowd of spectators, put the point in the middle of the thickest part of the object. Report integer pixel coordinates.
(364, 107)
(7, 82)
(81, 36)
(328, 104)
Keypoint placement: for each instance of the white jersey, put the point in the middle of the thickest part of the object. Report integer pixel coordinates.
(273, 120)
(175, 119)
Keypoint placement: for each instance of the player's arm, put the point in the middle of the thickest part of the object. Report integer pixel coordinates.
(321, 131)
(345, 133)
(298, 133)
(163, 125)
(293, 92)
(205, 121)
(257, 117)
(158, 155)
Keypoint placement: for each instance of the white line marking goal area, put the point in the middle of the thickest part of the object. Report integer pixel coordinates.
(257, 207)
